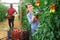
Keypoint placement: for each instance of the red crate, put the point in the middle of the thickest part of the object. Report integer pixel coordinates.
(19, 34)
(16, 34)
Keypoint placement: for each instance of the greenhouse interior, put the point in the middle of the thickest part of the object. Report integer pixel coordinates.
(29, 19)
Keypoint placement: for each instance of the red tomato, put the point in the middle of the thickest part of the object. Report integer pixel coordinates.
(15, 30)
(37, 17)
(51, 7)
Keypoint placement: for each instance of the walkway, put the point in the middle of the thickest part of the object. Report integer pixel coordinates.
(4, 27)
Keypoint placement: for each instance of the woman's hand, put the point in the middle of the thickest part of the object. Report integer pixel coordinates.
(34, 19)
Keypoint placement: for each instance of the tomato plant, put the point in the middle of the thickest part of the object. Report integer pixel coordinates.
(49, 27)
(3, 11)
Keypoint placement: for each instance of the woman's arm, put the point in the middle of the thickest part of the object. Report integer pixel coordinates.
(34, 19)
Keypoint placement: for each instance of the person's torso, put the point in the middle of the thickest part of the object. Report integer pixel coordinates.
(33, 24)
(11, 11)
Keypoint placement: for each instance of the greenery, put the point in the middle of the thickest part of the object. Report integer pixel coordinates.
(25, 24)
(3, 11)
(49, 22)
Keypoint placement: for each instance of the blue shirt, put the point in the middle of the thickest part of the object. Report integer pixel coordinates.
(34, 25)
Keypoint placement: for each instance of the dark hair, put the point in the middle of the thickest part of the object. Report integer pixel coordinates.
(11, 5)
(27, 4)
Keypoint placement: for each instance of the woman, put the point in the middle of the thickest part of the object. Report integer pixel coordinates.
(33, 21)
